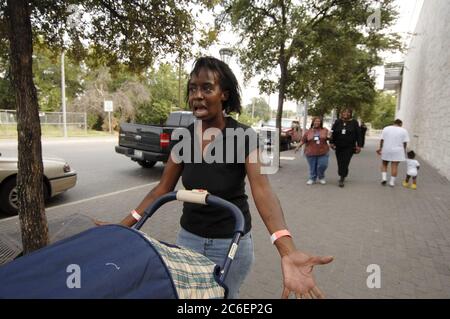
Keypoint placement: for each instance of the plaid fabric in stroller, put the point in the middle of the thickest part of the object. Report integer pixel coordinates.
(114, 261)
(191, 272)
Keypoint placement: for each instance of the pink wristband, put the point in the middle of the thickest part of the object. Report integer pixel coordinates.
(135, 215)
(278, 234)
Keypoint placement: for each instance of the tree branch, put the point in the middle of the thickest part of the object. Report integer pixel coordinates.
(321, 15)
(113, 11)
(266, 13)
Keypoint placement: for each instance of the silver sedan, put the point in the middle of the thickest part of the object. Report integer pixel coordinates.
(58, 177)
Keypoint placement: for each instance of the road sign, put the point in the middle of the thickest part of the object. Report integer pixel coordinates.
(108, 106)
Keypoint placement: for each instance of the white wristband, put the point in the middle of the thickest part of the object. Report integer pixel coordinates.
(279, 234)
(135, 215)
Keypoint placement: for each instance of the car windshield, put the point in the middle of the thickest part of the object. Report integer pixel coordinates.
(284, 123)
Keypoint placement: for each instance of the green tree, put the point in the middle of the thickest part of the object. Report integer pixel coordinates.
(383, 113)
(297, 41)
(163, 84)
(126, 90)
(246, 118)
(130, 32)
(7, 100)
(47, 78)
(259, 108)
(340, 68)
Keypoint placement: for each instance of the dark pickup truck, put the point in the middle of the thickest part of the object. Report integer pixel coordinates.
(148, 144)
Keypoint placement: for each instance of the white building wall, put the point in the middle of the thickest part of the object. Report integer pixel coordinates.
(425, 94)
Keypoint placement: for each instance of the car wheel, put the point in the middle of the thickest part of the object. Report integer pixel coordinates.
(147, 164)
(9, 198)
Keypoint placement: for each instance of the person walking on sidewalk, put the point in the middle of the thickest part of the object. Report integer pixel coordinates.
(213, 93)
(394, 139)
(346, 141)
(412, 167)
(316, 150)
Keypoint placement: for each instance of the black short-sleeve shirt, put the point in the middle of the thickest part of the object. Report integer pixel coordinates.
(352, 136)
(221, 174)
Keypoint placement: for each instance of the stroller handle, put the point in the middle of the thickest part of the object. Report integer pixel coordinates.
(204, 198)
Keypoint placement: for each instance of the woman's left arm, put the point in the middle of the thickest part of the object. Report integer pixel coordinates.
(297, 266)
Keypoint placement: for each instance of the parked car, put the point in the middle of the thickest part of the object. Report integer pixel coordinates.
(58, 177)
(290, 132)
(147, 144)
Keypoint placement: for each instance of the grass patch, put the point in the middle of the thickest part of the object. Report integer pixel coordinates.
(10, 131)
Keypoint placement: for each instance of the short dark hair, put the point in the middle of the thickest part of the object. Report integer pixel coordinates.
(227, 81)
(350, 110)
(398, 122)
(315, 118)
(411, 154)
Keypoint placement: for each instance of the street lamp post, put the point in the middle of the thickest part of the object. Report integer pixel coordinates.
(63, 95)
(253, 108)
(226, 54)
(71, 9)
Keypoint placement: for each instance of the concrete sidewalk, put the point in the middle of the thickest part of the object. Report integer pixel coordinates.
(406, 232)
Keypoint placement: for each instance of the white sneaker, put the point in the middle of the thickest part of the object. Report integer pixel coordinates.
(392, 184)
(322, 181)
(309, 182)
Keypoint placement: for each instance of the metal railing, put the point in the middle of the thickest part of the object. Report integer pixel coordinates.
(52, 123)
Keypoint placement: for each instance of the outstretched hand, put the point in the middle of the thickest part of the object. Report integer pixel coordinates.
(298, 277)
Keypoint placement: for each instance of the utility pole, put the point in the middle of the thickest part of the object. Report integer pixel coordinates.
(180, 58)
(253, 108)
(71, 9)
(63, 94)
(305, 117)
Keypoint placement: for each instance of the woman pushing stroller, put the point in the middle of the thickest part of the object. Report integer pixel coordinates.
(213, 93)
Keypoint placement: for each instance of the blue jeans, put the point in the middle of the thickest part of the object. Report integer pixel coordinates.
(317, 166)
(216, 249)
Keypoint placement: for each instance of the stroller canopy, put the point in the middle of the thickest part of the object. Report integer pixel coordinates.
(111, 261)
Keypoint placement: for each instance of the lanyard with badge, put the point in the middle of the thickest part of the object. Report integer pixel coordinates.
(317, 137)
(344, 130)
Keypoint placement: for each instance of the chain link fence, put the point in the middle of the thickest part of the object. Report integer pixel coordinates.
(52, 123)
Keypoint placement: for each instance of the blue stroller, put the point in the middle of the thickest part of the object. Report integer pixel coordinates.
(113, 261)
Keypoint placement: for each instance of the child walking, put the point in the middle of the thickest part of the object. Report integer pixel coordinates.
(412, 166)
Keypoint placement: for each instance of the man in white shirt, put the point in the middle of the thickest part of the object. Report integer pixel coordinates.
(392, 149)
